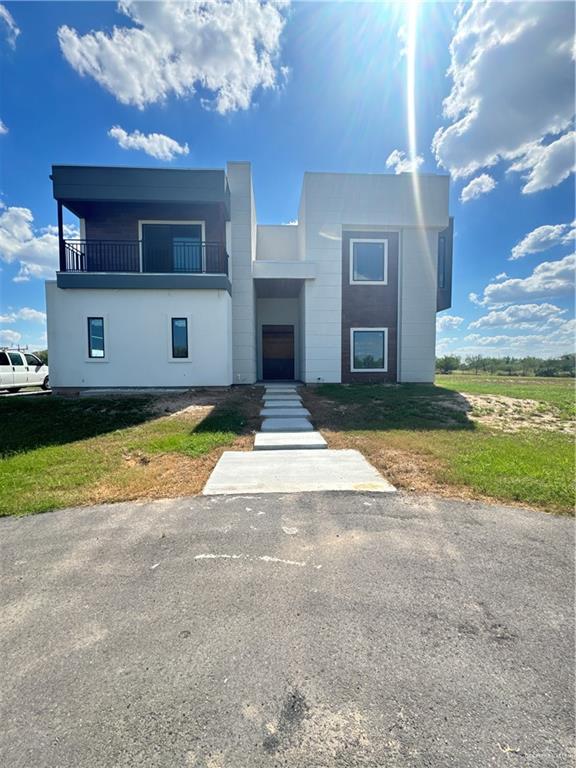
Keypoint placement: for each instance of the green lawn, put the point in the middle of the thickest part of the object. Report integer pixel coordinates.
(57, 452)
(422, 436)
(556, 392)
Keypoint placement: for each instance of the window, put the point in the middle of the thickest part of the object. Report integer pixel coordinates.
(4, 359)
(170, 246)
(15, 358)
(442, 261)
(96, 337)
(179, 337)
(33, 360)
(369, 261)
(369, 349)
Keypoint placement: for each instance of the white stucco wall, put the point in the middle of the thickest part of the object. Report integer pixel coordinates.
(138, 337)
(417, 305)
(243, 252)
(277, 242)
(333, 202)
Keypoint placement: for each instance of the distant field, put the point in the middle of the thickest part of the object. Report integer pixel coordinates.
(558, 392)
(470, 436)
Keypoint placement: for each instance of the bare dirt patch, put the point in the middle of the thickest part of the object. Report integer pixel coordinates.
(194, 403)
(511, 414)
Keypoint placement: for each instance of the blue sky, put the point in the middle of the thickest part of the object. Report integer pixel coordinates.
(309, 86)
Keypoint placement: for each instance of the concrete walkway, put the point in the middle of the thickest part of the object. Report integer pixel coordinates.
(290, 456)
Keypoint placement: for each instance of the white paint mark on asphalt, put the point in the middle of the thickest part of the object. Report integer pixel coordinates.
(367, 503)
(289, 531)
(154, 566)
(262, 558)
(268, 559)
(248, 509)
(260, 513)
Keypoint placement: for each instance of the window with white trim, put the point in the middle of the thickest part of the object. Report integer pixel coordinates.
(368, 261)
(369, 349)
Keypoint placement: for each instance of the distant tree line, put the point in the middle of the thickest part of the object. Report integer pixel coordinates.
(508, 366)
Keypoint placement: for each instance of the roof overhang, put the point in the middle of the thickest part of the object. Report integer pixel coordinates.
(76, 185)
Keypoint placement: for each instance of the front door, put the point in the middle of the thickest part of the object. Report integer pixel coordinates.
(277, 352)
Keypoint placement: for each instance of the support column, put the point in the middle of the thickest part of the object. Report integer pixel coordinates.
(61, 249)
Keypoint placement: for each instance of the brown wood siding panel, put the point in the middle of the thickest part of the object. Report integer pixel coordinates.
(370, 306)
(119, 221)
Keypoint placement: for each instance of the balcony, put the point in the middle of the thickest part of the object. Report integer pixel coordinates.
(137, 256)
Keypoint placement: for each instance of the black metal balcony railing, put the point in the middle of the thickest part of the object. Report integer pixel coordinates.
(139, 256)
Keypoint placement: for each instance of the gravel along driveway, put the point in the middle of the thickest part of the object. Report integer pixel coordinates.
(304, 630)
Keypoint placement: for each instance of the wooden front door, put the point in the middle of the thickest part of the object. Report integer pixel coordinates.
(277, 352)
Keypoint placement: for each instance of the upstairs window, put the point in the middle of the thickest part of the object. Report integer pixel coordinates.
(179, 337)
(96, 337)
(172, 247)
(369, 261)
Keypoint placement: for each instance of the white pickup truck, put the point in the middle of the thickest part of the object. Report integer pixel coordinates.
(22, 369)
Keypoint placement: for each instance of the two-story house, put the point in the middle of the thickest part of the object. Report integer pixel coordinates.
(173, 283)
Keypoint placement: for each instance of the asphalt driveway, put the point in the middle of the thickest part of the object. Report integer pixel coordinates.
(308, 630)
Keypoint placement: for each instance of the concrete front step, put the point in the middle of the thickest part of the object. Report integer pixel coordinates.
(293, 398)
(284, 412)
(277, 392)
(279, 384)
(288, 441)
(296, 403)
(286, 424)
(239, 472)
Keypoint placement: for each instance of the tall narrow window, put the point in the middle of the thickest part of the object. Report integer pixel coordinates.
(179, 337)
(95, 337)
(442, 261)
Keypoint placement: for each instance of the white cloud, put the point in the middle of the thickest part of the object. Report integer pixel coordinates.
(549, 279)
(24, 313)
(12, 30)
(444, 322)
(546, 165)
(501, 276)
(227, 48)
(9, 337)
(520, 316)
(551, 343)
(401, 163)
(3, 128)
(560, 341)
(154, 144)
(541, 239)
(508, 102)
(481, 185)
(36, 251)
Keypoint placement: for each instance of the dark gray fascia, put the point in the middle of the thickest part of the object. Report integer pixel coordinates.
(151, 185)
(138, 280)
